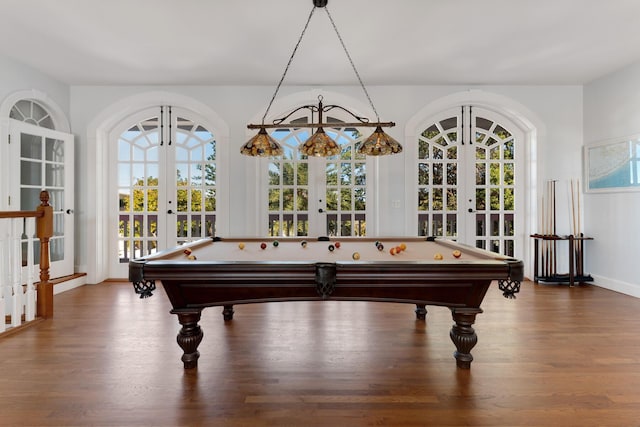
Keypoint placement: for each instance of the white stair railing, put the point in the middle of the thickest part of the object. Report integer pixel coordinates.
(17, 286)
(22, 298)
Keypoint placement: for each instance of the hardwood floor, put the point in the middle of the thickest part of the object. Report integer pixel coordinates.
(554, 356)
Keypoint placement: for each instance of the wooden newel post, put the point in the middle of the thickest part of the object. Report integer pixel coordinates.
(44, 231)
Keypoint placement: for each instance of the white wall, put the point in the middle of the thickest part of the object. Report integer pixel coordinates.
(15, 77)
(612, 110)
(558, 110)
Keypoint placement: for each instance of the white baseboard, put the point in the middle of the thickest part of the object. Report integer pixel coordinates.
(69, 284)
(617, 286)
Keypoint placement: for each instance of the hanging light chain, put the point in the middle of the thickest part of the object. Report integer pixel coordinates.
(295, 49)
(352, 64)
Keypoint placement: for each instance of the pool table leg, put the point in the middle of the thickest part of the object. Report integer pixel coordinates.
(421, 311)
(463, 335)
(227, 312)
(190, 335)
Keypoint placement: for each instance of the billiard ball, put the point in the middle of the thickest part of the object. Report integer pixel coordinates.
(331, 248)
(380, 247)
(303, 243)
(275, 243)
(398, 249)
(263, 245)
(187, 251)
(403, 246)
(438, 257)
(355, 256)
(192, 257)
(337, 245)
(241, 246)
(457, 253)
(392, 251)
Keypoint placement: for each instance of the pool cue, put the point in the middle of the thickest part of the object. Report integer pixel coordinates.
(547, 231)
(574, 231)
(580, 260)
(573, 211)
(555, 242)
(543, 232)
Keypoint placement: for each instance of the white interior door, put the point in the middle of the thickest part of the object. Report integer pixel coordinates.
(44, 161)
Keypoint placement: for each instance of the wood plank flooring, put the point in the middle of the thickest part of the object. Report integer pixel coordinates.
(554, 356)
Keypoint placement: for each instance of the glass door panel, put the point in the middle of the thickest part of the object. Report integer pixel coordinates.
(166, 184)
(317, 196)
(46, 163)
(477, 208)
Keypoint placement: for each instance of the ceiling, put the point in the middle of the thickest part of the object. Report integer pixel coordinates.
(391, 42)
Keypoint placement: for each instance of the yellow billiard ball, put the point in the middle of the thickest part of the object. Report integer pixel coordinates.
(457, 253)
(403, 246)
(438, 257)
(241, 246)
(355, 256)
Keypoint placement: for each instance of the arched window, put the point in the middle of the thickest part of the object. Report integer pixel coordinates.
(165, 183)
(317, 196)
(30, 111)
(468, 166)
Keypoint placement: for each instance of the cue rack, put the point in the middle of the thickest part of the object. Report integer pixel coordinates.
(546, 243)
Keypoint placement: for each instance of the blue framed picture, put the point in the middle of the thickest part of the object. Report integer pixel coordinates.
(613, 165)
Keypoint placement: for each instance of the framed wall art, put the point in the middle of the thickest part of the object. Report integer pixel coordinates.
(613, 165)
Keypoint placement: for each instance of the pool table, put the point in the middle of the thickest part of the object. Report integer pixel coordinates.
(231, 271)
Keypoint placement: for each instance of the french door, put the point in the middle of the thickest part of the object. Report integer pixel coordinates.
(468, 169)
(164, 184)
(44, 161)
(317, 196)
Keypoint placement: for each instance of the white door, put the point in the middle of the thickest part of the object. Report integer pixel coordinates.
(317, 196)
(44, 160)
(164, 175)
(469, 169)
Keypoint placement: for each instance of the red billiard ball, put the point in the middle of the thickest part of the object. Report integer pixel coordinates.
(392, 251)
(337, 245)
(263, 245)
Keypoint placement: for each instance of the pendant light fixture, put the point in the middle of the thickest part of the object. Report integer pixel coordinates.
(320, 143)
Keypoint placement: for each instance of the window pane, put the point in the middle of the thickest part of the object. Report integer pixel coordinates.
(287, 199)
(274, 199)
(30, 146)
(423, 174)
(332, 174)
